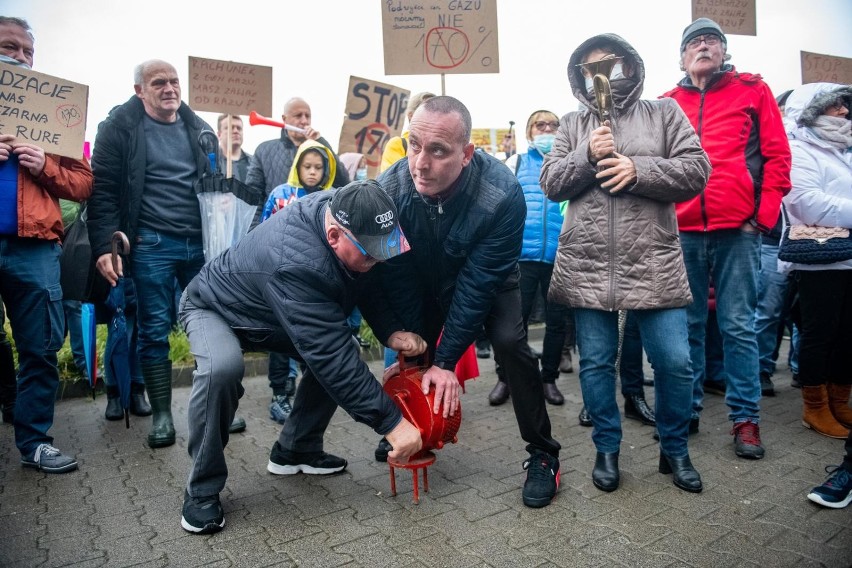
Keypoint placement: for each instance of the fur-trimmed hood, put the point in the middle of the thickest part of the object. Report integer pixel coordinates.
(808, 102)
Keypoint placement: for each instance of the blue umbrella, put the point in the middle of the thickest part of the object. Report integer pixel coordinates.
(117, 355)
(89, 323)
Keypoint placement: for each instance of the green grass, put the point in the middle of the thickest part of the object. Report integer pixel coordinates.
(178, 352)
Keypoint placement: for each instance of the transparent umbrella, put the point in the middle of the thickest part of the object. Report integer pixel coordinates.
(228, 206)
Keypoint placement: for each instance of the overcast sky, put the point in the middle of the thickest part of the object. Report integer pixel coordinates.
(314, 46)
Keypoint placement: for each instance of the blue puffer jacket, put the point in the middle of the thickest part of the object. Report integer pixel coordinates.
(544, 221)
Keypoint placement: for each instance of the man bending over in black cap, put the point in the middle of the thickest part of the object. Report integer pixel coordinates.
(287, 287)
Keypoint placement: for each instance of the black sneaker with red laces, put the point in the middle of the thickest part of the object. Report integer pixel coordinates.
(747, 440)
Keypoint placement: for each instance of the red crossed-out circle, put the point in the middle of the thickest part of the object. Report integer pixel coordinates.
(446, 47)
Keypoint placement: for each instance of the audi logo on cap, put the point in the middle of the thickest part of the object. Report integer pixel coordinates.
(384, 217)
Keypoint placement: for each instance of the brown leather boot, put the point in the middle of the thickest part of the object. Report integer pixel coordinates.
(817, 415)
(838, 403)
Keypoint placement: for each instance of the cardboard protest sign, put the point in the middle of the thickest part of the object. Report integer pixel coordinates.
(826, 68)
(736, 17)
(229, 87)
(43, 110)
(375, 112)
(489, 139)
(440, 36)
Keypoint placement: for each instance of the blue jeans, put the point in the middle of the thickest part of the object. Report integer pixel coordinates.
(281, 367)
(732, 258)
(74, 330)
(157, 259)
(29, 285)
(771, 295)
(354, 320)
(665, 339)
(390, 357)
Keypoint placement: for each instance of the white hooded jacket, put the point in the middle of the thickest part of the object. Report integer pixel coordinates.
(821, 174)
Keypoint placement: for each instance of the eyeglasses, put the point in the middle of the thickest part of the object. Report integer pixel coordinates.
(358, 245)
(544, 124)
(710, 40)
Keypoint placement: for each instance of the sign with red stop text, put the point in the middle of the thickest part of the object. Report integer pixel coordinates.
(375, 112)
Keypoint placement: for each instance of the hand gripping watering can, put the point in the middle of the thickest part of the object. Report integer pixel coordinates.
(435, 430)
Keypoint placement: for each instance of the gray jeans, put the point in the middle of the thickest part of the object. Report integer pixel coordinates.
(216, 390)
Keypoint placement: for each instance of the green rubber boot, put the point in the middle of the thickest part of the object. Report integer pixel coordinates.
(158, 383)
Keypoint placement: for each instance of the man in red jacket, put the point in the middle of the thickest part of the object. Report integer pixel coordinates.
(31, 183)
(738, 122)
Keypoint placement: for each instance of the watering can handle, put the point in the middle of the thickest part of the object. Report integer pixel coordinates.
(120, 244)
(401, 360)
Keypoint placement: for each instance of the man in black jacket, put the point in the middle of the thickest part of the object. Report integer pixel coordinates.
(288, 286)
(146, 161)
(269, 168)
(463, 213)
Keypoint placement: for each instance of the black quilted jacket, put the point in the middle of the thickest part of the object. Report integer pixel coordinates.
(281, 288)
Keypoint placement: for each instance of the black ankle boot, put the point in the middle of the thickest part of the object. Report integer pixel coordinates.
(636, 408)
(158, 383)
(499, 394)
(138, 403)
(605, 476)
(684, 475)
(552, 394)
(113, 407)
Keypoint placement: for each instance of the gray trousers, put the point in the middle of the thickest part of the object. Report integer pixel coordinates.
(216, 391)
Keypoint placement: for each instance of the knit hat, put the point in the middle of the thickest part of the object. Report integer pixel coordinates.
(699, 27)
(365, 210)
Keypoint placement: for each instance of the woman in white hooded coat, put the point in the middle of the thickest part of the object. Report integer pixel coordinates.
(820, 134)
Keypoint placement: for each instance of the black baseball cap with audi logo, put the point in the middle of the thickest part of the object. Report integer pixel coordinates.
(365, 210)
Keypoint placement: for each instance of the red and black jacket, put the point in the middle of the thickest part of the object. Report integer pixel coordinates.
(739, 125)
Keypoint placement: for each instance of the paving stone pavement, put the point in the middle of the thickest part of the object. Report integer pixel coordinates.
(122, 507)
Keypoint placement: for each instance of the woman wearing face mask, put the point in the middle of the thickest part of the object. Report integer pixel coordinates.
(355, 164)
(620, 250)
(541, 231)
